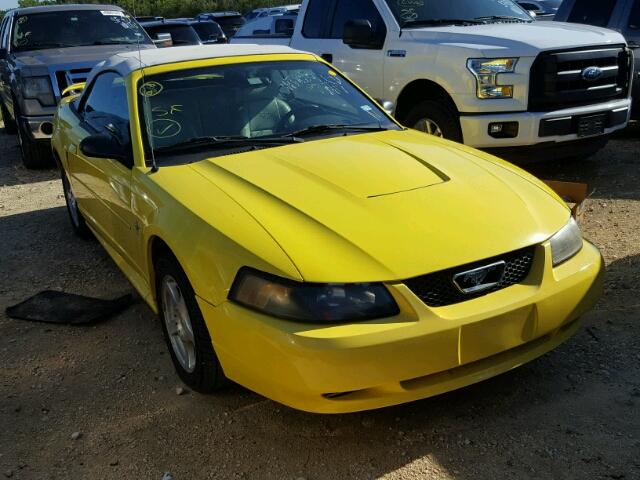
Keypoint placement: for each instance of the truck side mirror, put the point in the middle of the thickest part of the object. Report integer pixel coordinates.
(3, 53)
(163, 40)
(359, 34)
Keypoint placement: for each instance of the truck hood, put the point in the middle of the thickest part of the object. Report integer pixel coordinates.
(385, 206)
(516, 39)
(40, 62)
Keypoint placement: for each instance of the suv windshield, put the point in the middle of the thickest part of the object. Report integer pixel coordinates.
(257, 102)
(208, 31)
(440, 12)
(69, 28)
(181, 34)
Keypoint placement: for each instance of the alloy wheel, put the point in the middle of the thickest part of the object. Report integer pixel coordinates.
(178, 324)
(427, 125)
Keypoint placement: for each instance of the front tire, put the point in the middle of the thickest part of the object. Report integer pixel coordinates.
(78, 222)
(185, 330)
(10, 126)
(435, 117)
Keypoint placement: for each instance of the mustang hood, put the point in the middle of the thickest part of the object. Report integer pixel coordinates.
(516, 39)
(385, 206)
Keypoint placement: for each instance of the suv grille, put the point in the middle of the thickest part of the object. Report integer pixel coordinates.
(438, 290)
(557, 79)
(64, 78)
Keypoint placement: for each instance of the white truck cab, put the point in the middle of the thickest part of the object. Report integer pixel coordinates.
(478, 71)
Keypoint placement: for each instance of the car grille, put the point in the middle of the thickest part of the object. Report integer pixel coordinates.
(438, 290)
(557, 77)
(64, 78)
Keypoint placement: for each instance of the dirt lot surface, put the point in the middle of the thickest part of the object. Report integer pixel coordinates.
(100, 402)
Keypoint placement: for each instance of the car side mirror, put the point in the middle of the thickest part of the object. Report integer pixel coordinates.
(359, 34)
(3, 53)
(103, 145)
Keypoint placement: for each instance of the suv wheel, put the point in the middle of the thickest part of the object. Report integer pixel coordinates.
(435, 117)
(10, 126)
(35, 154)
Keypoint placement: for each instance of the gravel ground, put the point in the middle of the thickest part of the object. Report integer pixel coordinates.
(100, 402)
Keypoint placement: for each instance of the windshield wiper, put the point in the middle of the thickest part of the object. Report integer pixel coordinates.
(229, 141)
(328, 128)
(440, 21)
(508, 18)
(38, 46)
(114, 42)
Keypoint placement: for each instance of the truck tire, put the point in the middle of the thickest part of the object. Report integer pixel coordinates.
(35, 155)
(185, 330)
(10, 126)
(435, 117)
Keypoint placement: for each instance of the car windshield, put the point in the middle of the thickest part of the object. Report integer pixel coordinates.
(418, 13)
(208, 31)
(180, 34)
(69, 28)
(252, 102)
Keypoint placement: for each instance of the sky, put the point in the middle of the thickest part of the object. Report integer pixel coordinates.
(6, 4)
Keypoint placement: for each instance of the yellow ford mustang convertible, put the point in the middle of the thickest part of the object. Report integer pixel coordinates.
(295, 239)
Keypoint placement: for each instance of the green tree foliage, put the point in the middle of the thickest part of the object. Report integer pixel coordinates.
(169, 8)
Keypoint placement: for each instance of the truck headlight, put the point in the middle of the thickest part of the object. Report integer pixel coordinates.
(486, 71)
(38, 88)
(311, 302)
(566, 242)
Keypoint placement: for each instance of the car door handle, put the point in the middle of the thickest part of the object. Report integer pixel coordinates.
(327, 57)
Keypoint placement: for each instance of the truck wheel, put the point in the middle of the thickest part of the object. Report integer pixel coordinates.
(10, 126)
(185, 330)
(77, 220)
(35, 155)
(437, 118)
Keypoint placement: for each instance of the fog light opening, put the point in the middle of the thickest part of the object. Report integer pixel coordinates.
(46, 128)
(503, 129)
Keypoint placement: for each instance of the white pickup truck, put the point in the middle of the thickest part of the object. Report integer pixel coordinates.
(478, 71)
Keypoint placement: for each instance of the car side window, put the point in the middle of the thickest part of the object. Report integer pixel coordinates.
(634, 16)
(347, 10)
(317, 18)
(592, 12)
(107, 102)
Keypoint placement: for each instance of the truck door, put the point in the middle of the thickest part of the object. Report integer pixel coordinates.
(632, 34)
(322, 33)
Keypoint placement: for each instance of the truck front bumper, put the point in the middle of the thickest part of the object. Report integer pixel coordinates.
(40, 127)
(534, 128)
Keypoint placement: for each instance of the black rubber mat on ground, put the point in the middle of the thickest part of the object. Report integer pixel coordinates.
(67, 308)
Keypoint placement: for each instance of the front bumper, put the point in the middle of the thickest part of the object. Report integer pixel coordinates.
(542, 127)
(419, 353)
(40, 127)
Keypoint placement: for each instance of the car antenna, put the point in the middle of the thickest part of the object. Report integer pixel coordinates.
(154, 165)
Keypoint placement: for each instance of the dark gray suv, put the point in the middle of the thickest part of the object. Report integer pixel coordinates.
(45, 49)
(620, 15)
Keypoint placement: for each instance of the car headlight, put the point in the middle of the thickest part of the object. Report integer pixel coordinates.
(486, 71)
(566, 242)
(38, 88)
(311, 302)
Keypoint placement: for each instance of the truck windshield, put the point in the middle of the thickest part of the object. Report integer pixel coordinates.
(259, 102)
(420, 13)
(69, 28)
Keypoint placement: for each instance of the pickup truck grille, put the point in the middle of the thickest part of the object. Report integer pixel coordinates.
(558, 78)
(64, 78)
